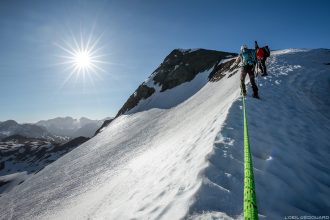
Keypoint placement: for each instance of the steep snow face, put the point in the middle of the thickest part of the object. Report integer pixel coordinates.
(289, 136)
(187, 161)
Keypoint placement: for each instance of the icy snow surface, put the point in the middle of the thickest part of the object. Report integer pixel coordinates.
(187, 161)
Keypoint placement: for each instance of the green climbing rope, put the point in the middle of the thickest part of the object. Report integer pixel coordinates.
(250, 200)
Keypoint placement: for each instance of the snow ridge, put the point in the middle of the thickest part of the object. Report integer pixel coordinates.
(186, 161)
(289, 142)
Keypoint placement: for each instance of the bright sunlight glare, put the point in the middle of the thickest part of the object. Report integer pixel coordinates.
(82, 57)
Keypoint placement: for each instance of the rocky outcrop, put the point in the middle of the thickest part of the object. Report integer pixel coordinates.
(182, 66)
(142, 92)
(179, 66)
(220, 70)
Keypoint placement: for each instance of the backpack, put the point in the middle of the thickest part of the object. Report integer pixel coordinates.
(248, 57)
(266, 51)
(261, 53)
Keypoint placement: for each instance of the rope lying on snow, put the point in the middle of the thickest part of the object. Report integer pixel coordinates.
(250, 200)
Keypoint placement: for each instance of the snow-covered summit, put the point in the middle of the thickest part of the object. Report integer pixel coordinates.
(163, 88)
(186, 161)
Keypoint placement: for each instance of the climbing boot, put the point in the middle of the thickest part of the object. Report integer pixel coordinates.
(256, 95)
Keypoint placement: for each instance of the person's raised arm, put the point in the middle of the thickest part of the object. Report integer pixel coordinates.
(256, 46)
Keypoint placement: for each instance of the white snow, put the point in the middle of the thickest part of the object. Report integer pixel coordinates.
(171, 97)
(289, 136)
(12, 180)
(188, 50)
(184, 159)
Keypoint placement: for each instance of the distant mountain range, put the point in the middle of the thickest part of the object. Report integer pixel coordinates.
(60, 129)
(68, 126)
(11, 127)
(25, 149)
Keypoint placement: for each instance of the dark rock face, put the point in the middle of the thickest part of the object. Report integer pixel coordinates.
(220, 70)
(142, 92)
(182, 66)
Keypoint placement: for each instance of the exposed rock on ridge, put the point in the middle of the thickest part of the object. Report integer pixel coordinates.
(179, 66)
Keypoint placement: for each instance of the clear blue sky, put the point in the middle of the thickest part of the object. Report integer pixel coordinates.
(136, 36)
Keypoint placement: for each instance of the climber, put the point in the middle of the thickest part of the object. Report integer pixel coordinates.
(248, 58)
(262, 54)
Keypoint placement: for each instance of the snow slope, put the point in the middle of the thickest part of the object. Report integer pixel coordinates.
(187, 161)
(289, 136)
(21, 157)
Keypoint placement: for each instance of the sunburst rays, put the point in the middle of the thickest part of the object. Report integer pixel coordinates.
(82, 57)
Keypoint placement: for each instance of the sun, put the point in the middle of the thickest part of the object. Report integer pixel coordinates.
(82, 57)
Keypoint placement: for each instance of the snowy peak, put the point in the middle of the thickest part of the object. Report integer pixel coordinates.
(179, 67)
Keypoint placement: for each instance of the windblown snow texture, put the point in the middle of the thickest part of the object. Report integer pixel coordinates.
(187, 161)
(21, 157)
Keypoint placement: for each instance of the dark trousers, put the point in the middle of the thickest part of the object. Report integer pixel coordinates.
(249, 69)
(262, 66)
